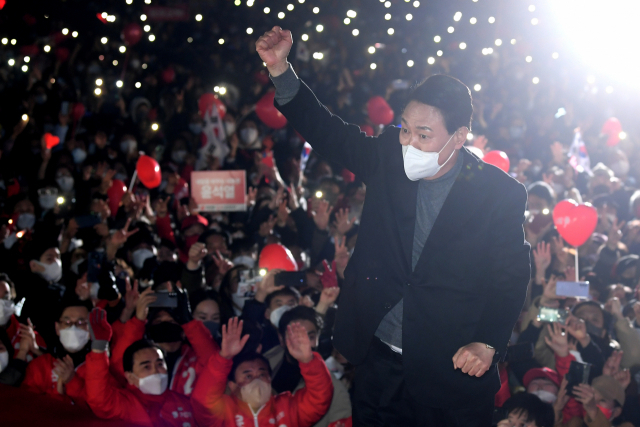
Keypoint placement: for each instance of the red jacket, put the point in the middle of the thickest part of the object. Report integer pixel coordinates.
(213, 407)
(12, 333)
(192, 360)
(40, 378)
(129, 404)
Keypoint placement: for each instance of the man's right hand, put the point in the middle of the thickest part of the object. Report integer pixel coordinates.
(232, 340)
(273, 48)
(267, 285)
(142, 306)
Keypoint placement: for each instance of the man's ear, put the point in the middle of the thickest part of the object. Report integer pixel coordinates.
(233, 387)
(259, 349)
(267, 314)
(460, 138)
(57, 329)
(131, 379)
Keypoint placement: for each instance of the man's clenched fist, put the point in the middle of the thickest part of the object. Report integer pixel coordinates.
(273, 48)
(473, 359)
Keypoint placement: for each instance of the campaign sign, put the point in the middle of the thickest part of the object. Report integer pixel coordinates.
(219, 191)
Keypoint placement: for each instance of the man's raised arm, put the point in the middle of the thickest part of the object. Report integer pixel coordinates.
(327, 133)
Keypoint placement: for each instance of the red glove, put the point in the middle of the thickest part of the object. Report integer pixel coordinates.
(328, 277)
(99, 328)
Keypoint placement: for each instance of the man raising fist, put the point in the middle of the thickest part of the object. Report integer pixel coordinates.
(424, 314)
(248, 376)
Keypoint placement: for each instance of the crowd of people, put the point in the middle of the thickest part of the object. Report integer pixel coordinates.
(137, 308)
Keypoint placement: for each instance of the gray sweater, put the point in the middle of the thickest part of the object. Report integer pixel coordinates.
(431, 197)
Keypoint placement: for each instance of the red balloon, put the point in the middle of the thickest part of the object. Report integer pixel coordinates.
(612, 128)
(77, 112)
(50, 140)
(498, 159)
(149, 171)
(62, 54)
(379, 111)
(575, 223)
(277, 256)
(115, 193)
(207, 101)
(168, 75)
(268, 113)
(367, 130)
(131, 33)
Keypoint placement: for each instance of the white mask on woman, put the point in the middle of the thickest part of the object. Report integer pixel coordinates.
(7, 309)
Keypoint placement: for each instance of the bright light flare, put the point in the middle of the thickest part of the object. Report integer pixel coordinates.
(607, 51)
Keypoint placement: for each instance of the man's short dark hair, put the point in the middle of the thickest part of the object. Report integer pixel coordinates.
(450, 96)
(127, 359)
(532, 407)
(286, 291)
(544, 191)
(246, 357)
(71, 300)
(296, 314)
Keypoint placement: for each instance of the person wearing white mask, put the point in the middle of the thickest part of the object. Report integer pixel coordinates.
(251, 401)
(430, 205)
(65, 180)
(45, 289)
(61, 373)
(249, 136)
(146, 400)
(27, 343)
(544, 383)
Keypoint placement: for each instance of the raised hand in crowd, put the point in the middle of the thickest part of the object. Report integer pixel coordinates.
(342, 222)
(557, 339)
(612, 369)
(542, 260)
(232, 340)
(130, 300)
(298, 343)
(321, 215)
(577, 328)
(197, 252)
(267, 285)
(341, 256)
(142, 306)
(118, 239)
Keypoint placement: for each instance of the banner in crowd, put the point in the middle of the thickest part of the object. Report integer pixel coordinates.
(219, 191)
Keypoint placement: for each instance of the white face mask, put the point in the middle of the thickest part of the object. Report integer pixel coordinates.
(52, 272)
(26, 221)
(73, 339)
(128, 146)
(248, 135)
(65, 183)
(7, 309)
(140, 256)
(256, 393)
(155, 384)
(78, 155)
(422, 164)
(4, 360)
(229, 128)
(276, 314)
(545, 396)
(48, 201)
(238, 303)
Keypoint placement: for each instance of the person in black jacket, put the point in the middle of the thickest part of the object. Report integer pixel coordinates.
(440, 270)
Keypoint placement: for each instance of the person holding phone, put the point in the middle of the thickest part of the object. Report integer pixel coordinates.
(452, 228)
